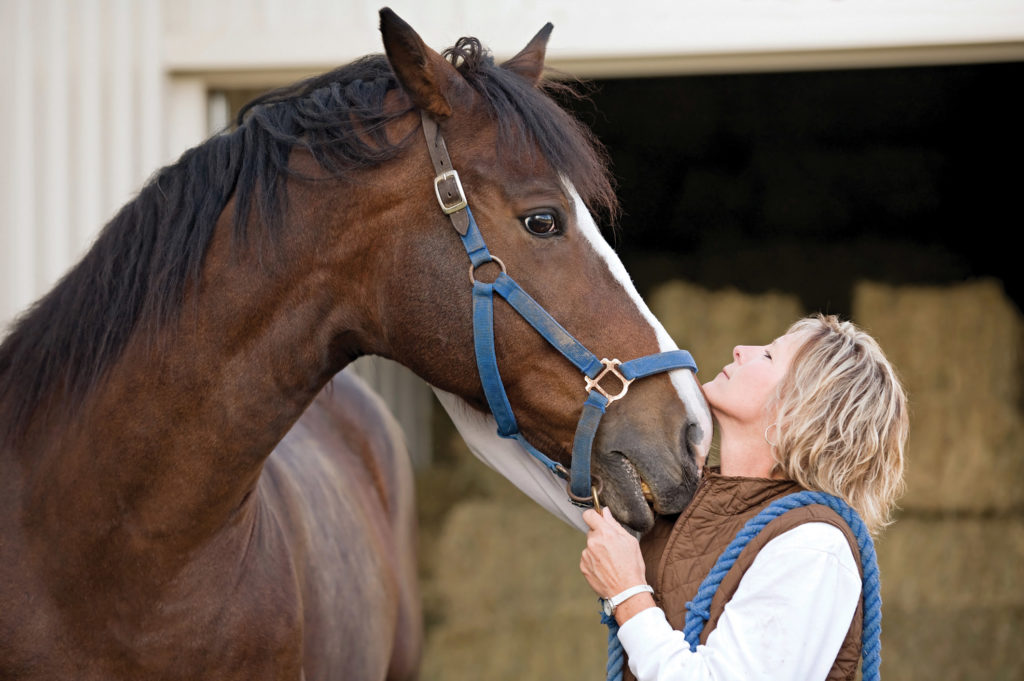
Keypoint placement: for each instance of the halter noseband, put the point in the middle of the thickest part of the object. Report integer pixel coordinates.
(452, 199)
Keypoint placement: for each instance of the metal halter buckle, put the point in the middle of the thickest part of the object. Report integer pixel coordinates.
(453, 190)
(593, 501)
(609, 368)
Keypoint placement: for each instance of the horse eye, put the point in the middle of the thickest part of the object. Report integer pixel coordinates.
(542, 224)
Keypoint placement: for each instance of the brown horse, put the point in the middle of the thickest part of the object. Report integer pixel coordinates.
(165, 513)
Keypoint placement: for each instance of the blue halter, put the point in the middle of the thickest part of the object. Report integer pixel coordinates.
(452, 199)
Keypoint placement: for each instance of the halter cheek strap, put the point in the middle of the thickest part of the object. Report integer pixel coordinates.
(452, 200)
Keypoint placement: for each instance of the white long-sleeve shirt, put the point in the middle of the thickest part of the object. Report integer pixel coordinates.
(786, 621)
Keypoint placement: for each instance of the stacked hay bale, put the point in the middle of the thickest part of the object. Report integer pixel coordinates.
(711, 323)
(502, 593)
(953, 564)
(503, 598)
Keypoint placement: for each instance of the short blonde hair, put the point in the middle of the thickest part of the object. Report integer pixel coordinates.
(841, 414)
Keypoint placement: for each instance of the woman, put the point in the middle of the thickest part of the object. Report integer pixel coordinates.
(819, 409)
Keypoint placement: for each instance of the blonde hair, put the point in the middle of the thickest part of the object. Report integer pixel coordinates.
(841, 414)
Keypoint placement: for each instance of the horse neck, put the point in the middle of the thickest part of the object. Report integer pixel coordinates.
(171, 443)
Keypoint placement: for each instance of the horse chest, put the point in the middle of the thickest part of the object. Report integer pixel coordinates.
(214, 620)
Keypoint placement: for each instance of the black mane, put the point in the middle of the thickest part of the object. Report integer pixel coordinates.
(134, 277)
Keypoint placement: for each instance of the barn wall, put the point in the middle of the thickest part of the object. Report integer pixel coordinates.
(100, 93)
(81, 126)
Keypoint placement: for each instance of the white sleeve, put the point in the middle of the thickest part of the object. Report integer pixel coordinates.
(786, 621)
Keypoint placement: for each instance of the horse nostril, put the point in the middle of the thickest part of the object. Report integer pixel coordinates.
(694, 434)
(694, 443)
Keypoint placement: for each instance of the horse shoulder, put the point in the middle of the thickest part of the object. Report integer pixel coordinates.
(340, 483)
(350, 412)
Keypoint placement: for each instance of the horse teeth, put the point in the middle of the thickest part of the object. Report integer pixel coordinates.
(646, 489)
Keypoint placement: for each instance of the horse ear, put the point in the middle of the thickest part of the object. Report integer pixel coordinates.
(425, 75)
(529, 63)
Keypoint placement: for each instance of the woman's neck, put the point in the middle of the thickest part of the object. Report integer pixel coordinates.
(745, 452)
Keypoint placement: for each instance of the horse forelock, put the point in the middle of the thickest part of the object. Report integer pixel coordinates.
(530, 119)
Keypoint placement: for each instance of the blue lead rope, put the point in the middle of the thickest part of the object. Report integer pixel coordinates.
(699, 609)
(616, 655)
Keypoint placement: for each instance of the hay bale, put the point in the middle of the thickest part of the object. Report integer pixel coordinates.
(959, 352)
(711, 323)
(505, 599)
(953, 598)
(936, 643)
(953, 562)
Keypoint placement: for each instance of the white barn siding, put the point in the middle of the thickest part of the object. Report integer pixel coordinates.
(80, 129)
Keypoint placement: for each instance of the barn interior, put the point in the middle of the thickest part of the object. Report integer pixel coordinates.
(807, 182)
(886, 196)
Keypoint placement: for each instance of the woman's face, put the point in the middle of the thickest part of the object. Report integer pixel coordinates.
(741, 390)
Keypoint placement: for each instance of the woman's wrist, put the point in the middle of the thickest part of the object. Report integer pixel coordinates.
(633, 605)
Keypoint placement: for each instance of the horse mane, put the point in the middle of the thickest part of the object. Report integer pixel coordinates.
(134, 277)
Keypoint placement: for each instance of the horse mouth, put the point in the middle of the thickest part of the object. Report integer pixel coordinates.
(633, 498)
(642, 495)
(646, 493)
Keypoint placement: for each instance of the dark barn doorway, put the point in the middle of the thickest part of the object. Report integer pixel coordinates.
(807, 182)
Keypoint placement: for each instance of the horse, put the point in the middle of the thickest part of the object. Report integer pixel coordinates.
(189, 488)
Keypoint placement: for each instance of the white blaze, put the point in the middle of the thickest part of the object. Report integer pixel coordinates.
(511, 460)
(683, 380)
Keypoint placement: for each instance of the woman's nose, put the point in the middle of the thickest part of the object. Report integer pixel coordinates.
(741, 352)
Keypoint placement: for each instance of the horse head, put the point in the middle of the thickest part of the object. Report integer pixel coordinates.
(528, 171)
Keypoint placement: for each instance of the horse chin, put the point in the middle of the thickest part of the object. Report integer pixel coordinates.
(636, 499)
(637, 516)
(623, 492)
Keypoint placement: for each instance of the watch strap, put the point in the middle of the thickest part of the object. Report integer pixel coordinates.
(619, 598)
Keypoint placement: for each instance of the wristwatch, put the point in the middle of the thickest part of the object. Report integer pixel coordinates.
(610, 604)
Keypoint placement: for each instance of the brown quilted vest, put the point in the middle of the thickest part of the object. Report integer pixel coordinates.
(679, 552)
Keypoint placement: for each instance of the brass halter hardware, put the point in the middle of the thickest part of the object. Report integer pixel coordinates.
(609, 368)
(495, 259)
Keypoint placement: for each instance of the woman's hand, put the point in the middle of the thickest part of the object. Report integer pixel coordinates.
(612, 561)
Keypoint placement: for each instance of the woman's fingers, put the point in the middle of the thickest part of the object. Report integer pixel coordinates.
(592, 518)
(604, 519)
(611, 560)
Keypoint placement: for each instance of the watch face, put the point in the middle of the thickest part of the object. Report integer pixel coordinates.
(608, 608)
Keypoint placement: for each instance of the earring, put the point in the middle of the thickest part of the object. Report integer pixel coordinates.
(772, 444)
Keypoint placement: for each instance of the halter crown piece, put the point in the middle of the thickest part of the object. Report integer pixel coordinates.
(452, 199)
